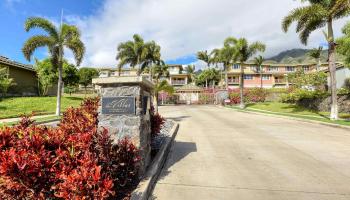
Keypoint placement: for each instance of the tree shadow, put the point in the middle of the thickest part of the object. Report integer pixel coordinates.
(178, 119)
(297, 109)
(178, 151)
(74, 98)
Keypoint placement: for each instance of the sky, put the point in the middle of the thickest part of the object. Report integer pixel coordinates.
(180, 27)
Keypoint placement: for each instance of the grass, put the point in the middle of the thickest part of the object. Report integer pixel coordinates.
(17, 106)
(39, 120)
(292, 110)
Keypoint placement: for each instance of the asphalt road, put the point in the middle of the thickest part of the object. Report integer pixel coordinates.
(225, 154)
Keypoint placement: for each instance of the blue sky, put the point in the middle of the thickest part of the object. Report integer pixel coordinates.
(13, 14)
(181, 27)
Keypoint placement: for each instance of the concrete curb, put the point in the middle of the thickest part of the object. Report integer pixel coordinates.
(145, 187)
(290, 118)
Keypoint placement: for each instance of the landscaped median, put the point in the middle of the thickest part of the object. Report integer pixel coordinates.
(293, 111)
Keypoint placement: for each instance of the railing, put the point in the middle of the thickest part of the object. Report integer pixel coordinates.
(178, 82)
(280, 81)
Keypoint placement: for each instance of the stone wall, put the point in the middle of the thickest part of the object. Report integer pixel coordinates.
(324, 105)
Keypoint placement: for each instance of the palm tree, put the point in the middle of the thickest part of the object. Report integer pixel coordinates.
(165, 87)
(315, 15)
(159, 72)
(56, 40)
(190, 69)
(215, 59)
(228, 55)
(153, 57)
(258, 61)
(205, 57)
(316, 54)
(244, 52)
(132, 52)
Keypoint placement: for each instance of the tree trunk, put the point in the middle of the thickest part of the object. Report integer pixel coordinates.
(59, 90)
(261, 78)
(332, 72)
(155, 98)
(241, 87)
(226, 78)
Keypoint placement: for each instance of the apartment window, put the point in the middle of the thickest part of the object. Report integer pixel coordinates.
(233, 79)
(254, 68)
(272, 69)
(266, 77)
(306, 68)
(248, 77)
(290, 69)
(236, 66)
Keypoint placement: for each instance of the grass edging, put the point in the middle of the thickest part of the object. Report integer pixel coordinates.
(286, 116)
(146, 186)
(38, 121)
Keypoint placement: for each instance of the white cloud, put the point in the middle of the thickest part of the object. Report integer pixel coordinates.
(183, 27)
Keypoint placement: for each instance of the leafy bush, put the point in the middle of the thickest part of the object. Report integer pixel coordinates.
(252, 95)
(347, 84)
(72, 161)
(301, 94)
(157, 122)
(343, 91)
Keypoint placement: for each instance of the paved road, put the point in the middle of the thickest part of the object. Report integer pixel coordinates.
(224, 154)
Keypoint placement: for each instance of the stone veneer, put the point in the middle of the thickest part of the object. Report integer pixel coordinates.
(137, 127)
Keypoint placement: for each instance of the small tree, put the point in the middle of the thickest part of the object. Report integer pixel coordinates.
(209, 75)
(47, 75)
(5, 81)
(300, 79)
(86, 75)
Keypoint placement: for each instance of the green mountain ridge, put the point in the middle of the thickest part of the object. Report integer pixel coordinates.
(299, 56)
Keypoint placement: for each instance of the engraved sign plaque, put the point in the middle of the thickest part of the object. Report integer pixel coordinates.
(119, 105)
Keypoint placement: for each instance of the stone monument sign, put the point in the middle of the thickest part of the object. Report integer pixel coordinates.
(125, 111)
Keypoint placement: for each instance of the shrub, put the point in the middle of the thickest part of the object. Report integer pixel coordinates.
(157, 122)
(251, 95)
(299, 95)
(72, 161)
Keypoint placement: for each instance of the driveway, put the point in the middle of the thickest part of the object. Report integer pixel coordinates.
(225, 154)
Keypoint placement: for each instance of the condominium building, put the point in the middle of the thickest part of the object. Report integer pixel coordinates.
(272, 75)
(177, 77)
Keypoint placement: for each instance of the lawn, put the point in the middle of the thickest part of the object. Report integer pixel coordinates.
(294, 111)
(17, 106)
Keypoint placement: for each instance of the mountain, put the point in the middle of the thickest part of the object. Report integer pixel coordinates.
(296, 56)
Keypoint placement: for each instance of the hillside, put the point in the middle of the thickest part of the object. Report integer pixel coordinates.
(295, 56)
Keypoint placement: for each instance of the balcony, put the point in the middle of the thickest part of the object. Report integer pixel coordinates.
(280, 81)
(177, 82)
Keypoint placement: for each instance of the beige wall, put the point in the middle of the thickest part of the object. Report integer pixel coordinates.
(25, 81)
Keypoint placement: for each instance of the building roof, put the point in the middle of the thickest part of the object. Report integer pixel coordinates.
(7, 61)
(338, 66)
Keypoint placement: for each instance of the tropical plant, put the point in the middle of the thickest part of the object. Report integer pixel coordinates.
(258, 61)
(244, 52)
(133, 53)
(56, 40)
(209, 75)
(316, 53)
(190, 69)
(153, 57)
(315, 80)
(5, 81)
(46, 74)
(315, 15)
(86, 75)
(344, 43)
(205, 57)
(160, 71)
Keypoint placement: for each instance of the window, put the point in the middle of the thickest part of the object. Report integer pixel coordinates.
(290, 69)
(236, 66)
(248, 77)
(272, 69)
(254, 68)
(233, 79)
(306, 68)
(266, 77)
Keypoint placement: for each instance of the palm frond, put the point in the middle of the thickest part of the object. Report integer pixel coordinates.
(35, 42)
(78, 49)
(38, 22)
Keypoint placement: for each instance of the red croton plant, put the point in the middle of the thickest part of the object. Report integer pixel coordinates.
(73, 161)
